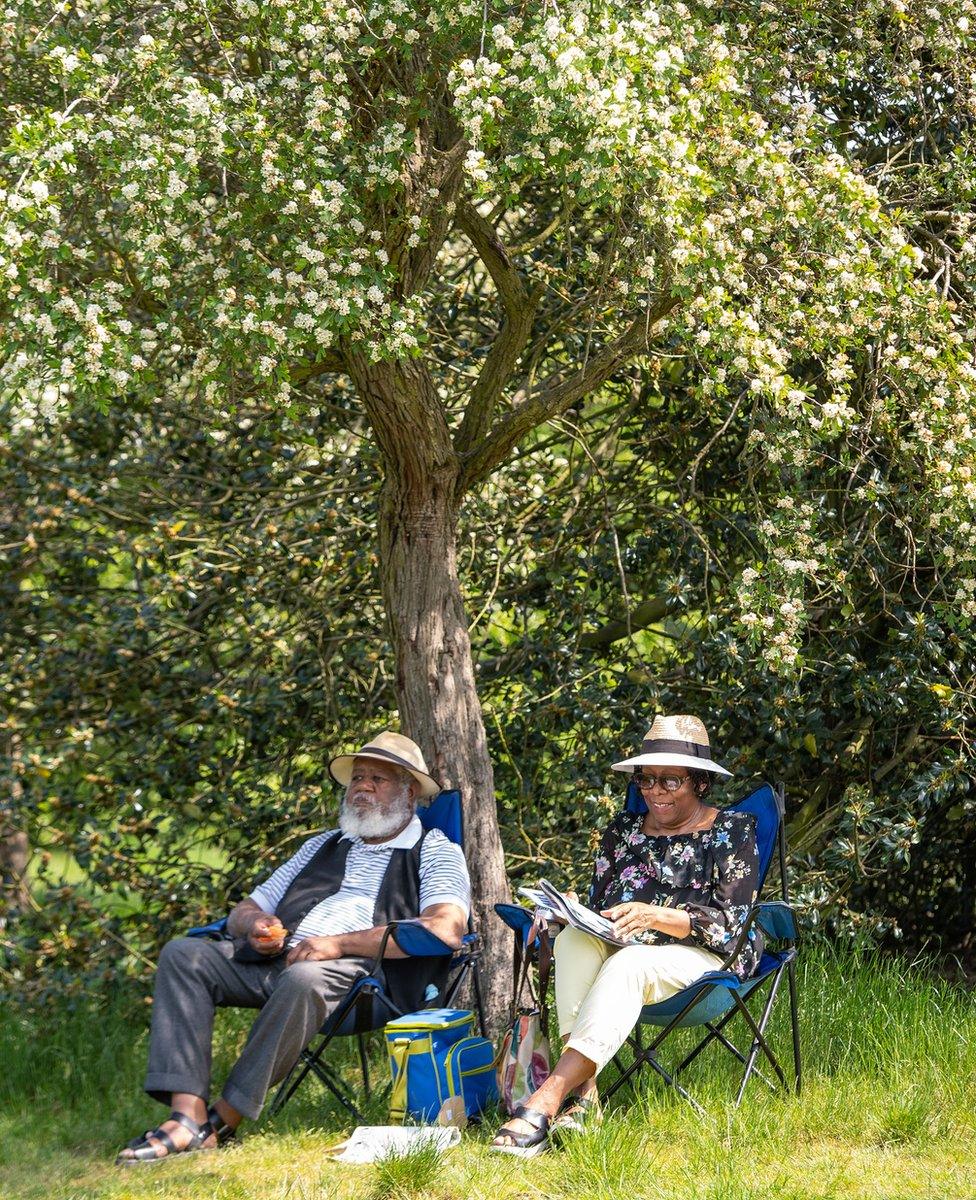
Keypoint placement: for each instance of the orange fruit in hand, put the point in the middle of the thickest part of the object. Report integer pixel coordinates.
(274, 933)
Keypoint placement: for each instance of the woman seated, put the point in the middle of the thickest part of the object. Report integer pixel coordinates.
(677, 882)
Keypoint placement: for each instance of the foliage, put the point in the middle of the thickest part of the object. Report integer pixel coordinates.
(691, 288)
(176, 658)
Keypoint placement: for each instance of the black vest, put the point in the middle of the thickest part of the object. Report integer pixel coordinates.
(398, 899)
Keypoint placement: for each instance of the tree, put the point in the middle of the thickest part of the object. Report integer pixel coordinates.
(475, 217)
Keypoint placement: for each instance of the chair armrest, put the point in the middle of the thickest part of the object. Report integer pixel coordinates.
(519, 920)
(414, 939)
(214, 930)
(782, 926)
(418, 941)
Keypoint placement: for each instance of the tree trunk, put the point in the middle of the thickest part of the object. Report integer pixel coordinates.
(439, 706)
(14, 847)
(436, 692)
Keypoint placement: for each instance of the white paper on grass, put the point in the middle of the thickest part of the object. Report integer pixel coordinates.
(369, 1143)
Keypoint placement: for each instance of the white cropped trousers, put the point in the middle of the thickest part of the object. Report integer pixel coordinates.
(601, 989)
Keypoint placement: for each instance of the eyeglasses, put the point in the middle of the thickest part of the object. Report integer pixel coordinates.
(670, 783)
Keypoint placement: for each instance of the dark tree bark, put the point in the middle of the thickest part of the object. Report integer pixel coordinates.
(14, 846)
(14, 857)
(436, 689)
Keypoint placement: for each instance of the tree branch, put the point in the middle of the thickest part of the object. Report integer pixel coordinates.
(560, 391)
(513, 333)
(332, 364)
(646, 613)
(440, 172)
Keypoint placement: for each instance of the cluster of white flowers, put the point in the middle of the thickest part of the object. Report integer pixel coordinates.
(237, 211)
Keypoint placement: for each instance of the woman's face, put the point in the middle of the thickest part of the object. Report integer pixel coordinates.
(669, 794)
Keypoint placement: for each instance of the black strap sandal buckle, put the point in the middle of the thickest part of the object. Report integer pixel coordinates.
(526, 1145)
(146, 1151)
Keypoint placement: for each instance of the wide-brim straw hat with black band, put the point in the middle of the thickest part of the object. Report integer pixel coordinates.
(674, 742)
(389, 748)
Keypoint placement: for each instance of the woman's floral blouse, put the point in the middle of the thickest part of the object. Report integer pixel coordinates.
(711, 873)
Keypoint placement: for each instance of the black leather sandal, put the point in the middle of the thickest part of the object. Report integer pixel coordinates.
(225, 1133)
(526, 1145)
(146, 1151)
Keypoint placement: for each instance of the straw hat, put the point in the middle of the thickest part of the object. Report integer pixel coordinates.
(389, 748)
(674, 742)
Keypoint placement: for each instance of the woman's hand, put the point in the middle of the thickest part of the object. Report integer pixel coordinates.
(633, 917)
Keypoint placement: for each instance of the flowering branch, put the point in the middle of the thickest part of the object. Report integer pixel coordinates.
(520, 305)
(560, 391)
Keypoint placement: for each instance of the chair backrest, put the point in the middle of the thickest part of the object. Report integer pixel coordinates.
(764, 804)
(444, 813)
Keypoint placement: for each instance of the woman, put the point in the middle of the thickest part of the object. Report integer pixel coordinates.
(678, 882)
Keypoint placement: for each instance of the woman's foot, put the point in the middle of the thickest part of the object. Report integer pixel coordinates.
(179, 1134)
(578, 1114)
(525, 1135)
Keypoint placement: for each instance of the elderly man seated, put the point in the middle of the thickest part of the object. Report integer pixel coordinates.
(298, 942)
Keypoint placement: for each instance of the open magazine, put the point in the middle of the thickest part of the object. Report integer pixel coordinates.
(560, 907)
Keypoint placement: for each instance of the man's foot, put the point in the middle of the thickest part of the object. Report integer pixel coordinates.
(179, 1134)
(226, 1130)
(525, 1135)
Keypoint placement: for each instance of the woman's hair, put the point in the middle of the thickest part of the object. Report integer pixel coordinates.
(701, 781)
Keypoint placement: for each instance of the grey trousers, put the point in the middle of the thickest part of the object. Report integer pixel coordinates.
(195, 976)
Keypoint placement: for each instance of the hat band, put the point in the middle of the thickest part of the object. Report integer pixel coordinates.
(379, 752)
(673, 746)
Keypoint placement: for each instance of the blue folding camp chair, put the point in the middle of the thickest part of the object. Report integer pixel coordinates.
(367, 1005)
(712, 1001)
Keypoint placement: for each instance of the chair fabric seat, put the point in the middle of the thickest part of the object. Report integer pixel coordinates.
(717, 987)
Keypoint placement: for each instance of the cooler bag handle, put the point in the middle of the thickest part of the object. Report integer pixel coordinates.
(399, 1050)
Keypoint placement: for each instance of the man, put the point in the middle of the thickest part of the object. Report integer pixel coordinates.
(336, 896)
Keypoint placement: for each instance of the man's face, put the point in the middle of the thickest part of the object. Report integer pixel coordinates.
(378, 802)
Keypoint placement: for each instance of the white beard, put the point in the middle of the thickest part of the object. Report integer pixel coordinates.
(376, 822)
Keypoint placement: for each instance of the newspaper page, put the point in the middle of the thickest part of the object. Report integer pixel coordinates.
(560, 907)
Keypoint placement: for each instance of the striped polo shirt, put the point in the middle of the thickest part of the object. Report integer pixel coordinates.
(443, 880)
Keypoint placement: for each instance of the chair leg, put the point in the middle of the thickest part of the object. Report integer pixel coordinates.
(311, 1064)
(715, 1034)
(363, 1063)
(649, 1055)
(759, 1040)
(794, 1021)
(455, 984)
(647, 1058)
(291, 1083)
(338, 1089)
(310, 1060)
(479, 998)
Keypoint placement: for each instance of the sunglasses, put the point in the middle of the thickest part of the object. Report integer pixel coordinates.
(670, 783)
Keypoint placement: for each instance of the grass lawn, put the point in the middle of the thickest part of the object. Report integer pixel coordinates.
(886, 1111)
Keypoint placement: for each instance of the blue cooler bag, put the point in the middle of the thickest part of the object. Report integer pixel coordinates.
(435, 1055)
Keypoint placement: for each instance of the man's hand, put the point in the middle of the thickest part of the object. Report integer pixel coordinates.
(267, 935)
(315, 949)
